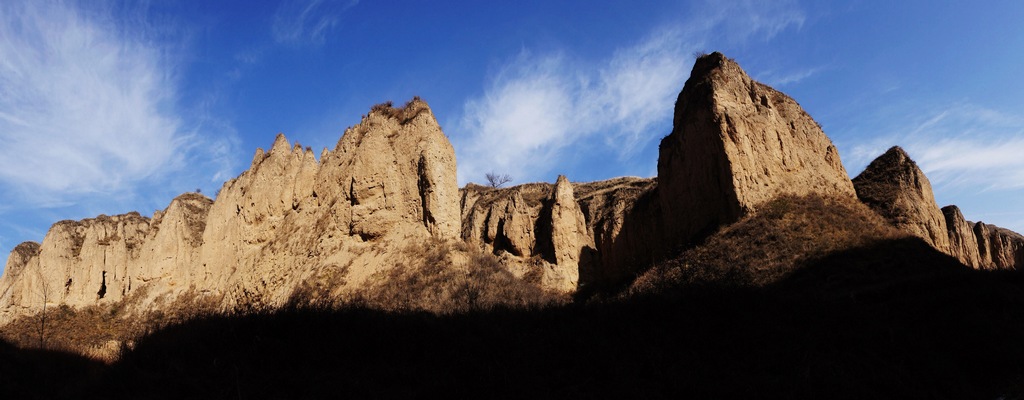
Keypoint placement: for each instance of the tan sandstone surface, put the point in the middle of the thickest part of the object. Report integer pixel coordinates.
(293, 220)
(896, 188)
(899, 191)
(735, 144)
(962, 243)
(287, 220)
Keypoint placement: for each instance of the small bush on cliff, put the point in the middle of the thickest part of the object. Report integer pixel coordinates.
(404, 114)
(496, 180)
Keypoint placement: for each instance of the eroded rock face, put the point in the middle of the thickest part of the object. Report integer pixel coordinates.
(287, 219)
(575, 231)
(536, 227)
(390, 179)
(292, 220)
(78, 262)
(22, 284)
(962, 243)
(895, 187)
(998, 248)
(735, 144)
(568, 227)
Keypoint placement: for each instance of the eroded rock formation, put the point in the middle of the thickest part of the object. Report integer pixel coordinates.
(287, 219)
(962, 243)
(735, 144)
(998, 248)
(292, 220)
(895, 187)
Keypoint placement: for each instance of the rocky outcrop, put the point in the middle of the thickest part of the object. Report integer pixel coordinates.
(735, 144)
(962, 243)
(895, 187)
(287, 219)
(79, 262)
(998, 248)
(292, 220)
(504, 219)
(570, 232)
(568, 227)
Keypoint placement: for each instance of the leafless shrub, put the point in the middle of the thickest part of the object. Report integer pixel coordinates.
(495, 180)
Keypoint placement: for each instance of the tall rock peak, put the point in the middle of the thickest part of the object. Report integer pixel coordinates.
(735, 144)
(897, 189)
(413, 109)
(281, 144)
(568, 232)
(285, 218)
(962, 243)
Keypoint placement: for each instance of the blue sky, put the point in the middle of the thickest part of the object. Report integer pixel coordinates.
(108, 107)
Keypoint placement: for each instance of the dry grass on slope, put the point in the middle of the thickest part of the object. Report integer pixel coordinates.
(438, 277)
(99, 331)
(784, 235)
(433, 280)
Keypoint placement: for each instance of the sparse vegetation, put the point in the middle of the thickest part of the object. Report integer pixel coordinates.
(784, 235)
(318, 291)
(432, 281)
(496, 180)
(808, 289)
(99, 331)
(404, 114)
(856, 313)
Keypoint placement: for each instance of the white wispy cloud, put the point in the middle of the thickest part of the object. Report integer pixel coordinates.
(87, 106)
(540, 107)
(960, 147)
(779, 79)
(743, 20)
(308, 20)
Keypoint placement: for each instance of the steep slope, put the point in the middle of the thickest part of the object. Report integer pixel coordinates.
(896, 188)
(553, 226)
(783, 236)
(962, 243)
(735, 144)
(292, 221)
(288, 219)
(998, 248)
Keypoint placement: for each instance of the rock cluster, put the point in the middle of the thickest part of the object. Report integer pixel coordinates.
(292, 218)
(899, 191)
(980, 245)
(287, 219)
(570, 229)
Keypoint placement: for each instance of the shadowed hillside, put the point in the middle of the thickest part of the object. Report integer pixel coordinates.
(46, 374)
(750, 267)
(871, 322)
(844, 318)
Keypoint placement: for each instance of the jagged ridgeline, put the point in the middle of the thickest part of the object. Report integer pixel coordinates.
(343, 222)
